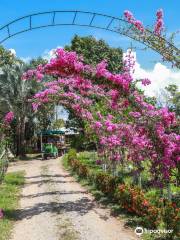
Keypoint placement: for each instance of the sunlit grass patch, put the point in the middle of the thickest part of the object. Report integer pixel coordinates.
(9, 196)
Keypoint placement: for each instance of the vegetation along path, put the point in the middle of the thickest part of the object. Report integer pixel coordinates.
(54, 206)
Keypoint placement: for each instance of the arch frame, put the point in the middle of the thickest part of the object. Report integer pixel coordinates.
(157, 43)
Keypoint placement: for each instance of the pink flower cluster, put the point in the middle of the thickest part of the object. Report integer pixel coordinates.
(129, 62)
(9, 117)
(34, 73)
(159, 25)
(123, 79)
(1, 213)
(110, 127)
(145, 81)
(130, 18)
(98, 125)
(135, 114)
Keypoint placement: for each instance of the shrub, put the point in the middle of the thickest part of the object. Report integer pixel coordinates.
(151, 211)
(171, 218)
(29, 150)
(72, 154)
(92, 176)
(74, 164)
(134, 201)
(83, 170)
(106, 183)
(80, 168)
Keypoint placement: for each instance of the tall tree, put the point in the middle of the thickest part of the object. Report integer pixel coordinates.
(6, 57)
(94, 51)
(14, 96)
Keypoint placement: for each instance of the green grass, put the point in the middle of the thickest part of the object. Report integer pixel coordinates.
(9, 196)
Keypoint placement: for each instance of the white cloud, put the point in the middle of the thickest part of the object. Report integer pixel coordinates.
(26, 59)
(13, 51)
(48, 54)
(160, 76)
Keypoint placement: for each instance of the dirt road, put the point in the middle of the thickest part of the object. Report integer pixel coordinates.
(54, 206)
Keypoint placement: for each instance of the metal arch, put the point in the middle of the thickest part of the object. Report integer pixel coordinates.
(117, 25)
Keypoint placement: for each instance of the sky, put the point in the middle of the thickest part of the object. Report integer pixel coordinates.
(40, 41)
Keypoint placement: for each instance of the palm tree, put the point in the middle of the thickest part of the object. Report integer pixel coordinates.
(14, 96)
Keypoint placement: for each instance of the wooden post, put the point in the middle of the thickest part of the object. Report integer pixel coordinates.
(41, 146)
(169, 193)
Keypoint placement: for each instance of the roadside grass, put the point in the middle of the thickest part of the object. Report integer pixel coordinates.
(9, 198)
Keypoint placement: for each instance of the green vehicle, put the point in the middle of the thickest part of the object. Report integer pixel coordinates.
(53, 143)
(49, 149)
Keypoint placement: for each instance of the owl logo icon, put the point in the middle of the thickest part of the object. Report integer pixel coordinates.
(139, 231)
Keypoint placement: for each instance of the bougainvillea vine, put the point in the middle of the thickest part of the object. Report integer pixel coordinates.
(124, 125)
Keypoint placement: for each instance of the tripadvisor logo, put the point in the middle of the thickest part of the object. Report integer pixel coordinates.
(139, 231)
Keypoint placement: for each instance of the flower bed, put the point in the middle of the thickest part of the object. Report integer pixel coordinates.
(104, 182)
(130, 198)
(134, 201)
(171, 218)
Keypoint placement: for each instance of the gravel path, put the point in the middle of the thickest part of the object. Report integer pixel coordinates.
(54, 206)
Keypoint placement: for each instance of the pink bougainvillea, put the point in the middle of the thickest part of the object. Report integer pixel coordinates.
(124, 119)
(1, 213)
(159, 25)
(9, 117)
(145, 81)
(130, 18)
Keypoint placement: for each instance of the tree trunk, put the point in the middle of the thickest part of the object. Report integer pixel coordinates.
(21, 138)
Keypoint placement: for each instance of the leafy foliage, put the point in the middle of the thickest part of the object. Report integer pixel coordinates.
(94, 51)
(6, 57)
(15, 96)
(174, 98)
